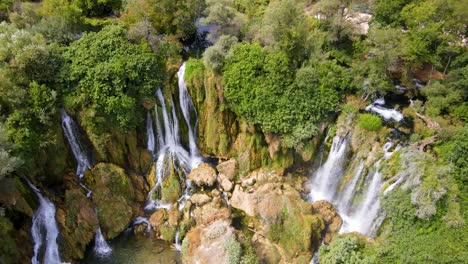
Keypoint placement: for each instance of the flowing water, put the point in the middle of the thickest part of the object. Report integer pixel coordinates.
(44, 231)
(79, 151)
(170, 150)
(378, 107)
(83, 160)
(150, 133)
(362, 214)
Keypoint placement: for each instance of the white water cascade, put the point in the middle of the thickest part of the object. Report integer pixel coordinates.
(79, 151)
(325, 180)
(378, 107)
(169, 147)
(150, 133)
(101, 248)
(365, 214)
(363, 217)
(44, 230)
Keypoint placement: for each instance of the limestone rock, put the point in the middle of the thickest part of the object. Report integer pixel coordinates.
(174, 215)
(200, 199)
(208, 244)
(330, 217)
(157, 219)
(203, 175)
(226, 184)
(227, 169)
(211, 212)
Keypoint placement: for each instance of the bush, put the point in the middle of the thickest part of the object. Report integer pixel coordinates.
(370, 122)
(233, 251)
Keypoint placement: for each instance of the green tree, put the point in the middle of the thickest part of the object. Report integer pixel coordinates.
(108, 73)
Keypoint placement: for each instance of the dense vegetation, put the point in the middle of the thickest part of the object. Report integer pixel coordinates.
(286, 67)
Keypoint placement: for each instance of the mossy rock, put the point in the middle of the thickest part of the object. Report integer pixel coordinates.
(113, 195)
(78, 223)
(168, 233)
(171, 189)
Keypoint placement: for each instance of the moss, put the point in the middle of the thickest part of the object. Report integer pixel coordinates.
(8, 247)
(167, 233)
(171, 189)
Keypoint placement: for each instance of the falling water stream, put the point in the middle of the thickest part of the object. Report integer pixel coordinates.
(83, 160)
(44, 231)
(365, 214)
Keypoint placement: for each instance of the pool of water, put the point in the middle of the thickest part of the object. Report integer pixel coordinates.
(136, 249)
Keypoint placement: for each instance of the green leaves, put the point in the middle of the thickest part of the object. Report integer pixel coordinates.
(370, 122)
(112, 74)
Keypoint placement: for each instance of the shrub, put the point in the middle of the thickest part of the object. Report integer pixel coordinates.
(370, 122)
(233, 251)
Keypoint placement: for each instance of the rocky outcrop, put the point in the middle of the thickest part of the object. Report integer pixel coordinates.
(78, 223)
(227, 171)
(285, 230)
(203, 175)
(113, 197)
(211, 244)
(330, 217)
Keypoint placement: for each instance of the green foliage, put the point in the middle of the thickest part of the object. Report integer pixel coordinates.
(170, 17)
(233, 250)
(370, 122)
(441, 98)
(112, 75)
(224, 14)
(344, 249)
(261, 86)
(194, 69)
(214, 56)
(8, 163)
(389, 12)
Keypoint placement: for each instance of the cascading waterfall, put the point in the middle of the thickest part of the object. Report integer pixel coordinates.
(83, 162)
(365, 216)
(325, 180)
(150, 133)
(101, 248)
(346, 197)
(44, 223)
(170, 149)
(79, 151)
(177, 244)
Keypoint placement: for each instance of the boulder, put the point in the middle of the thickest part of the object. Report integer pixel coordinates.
(227, 169)
(200, 199)
(211, 244)
(157, 219)
(174, 215)
(330, 217)
(113, 196)
(211, 212)
(203, 175)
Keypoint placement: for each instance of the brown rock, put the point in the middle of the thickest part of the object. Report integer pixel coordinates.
(330, 217)
(200, 199)
(203, 175)
(227, 169)
(174, 215)
(158, 218)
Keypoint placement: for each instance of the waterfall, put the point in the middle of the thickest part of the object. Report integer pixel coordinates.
(177, 244)
(364, 217)
(150, 133)
(187, 107)
(378, 108)
(346, 198)
(83, 162)
(140, 220)
(325, 180)
(44, 223)
(79, 151)
(170, 149)
(101, 248)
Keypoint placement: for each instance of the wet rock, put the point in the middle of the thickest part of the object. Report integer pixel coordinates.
(203, 175)
(330, 217)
